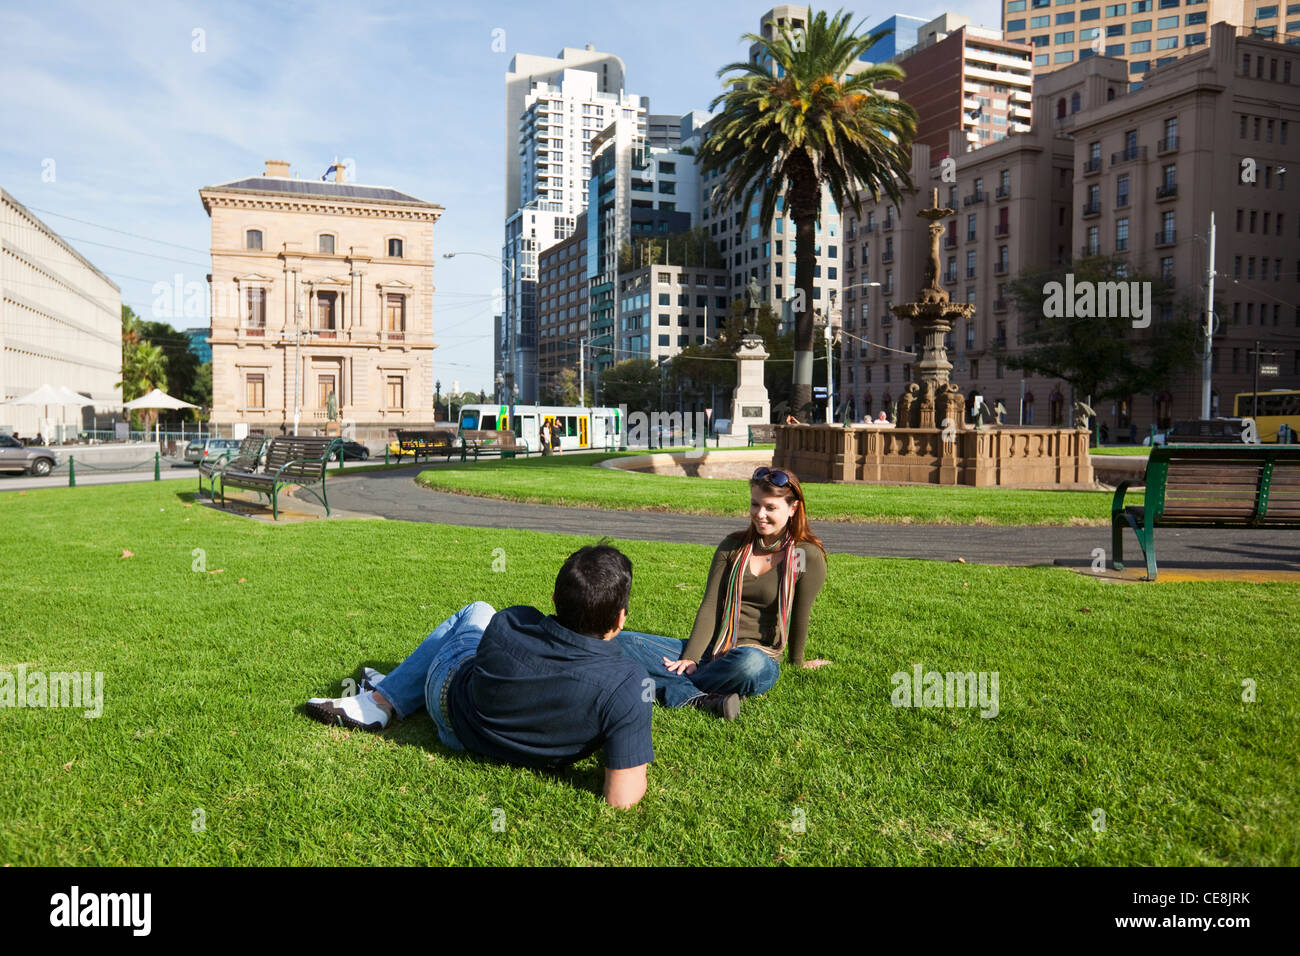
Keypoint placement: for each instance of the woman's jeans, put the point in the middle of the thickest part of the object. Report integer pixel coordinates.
(417, 681)
(745, 670)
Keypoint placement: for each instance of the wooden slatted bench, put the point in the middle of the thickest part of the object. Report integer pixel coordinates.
(245, 458)
(504, 445)
(293, 460)
(1209, 486)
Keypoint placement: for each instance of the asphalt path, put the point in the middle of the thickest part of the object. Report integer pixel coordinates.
(393, 494)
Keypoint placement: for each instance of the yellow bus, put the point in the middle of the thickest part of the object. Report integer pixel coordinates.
(1275, 408)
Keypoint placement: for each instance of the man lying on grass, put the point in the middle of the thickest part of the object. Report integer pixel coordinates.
(542, 691)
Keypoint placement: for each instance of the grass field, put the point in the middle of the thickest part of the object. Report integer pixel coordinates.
(1143, 451)
(574, 480)
(1120, 698)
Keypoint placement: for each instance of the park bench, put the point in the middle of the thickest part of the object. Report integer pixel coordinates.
(428, 444)
(292, 460)
(1209, 486)
(487, 443)
(245, 458)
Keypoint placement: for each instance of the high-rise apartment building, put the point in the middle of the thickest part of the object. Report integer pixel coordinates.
(966, 78)
(1146, 33)
(1217, 131)
(1011, 202)
(527, 70)
(1134, 174)
(555, 107)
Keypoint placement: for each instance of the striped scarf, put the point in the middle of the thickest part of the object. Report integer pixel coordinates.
(728, 632)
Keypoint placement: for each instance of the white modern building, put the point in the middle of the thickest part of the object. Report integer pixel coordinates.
(556, 107)
(60, 323)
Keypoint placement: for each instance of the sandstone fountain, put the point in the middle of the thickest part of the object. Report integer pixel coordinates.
(930, 441)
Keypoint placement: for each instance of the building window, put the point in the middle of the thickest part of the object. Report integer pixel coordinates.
(394, 248)
(394, 313)
(255, 391)
(1121, 235)
(253, 239)
(256, 308)
(395, 392)
(326, 245)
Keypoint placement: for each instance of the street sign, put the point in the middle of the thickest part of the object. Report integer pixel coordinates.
(1269, 370)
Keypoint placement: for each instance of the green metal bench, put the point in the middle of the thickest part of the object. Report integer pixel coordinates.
(293, 460)
(245, 458)
(1209, 486)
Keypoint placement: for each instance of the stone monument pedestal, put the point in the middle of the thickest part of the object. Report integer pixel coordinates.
(750, 405)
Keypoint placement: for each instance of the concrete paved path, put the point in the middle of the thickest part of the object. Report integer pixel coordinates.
(395, 495)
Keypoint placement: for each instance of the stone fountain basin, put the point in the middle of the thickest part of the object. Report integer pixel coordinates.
(703, 463)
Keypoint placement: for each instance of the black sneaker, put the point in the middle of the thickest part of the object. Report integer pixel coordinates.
(726, 706)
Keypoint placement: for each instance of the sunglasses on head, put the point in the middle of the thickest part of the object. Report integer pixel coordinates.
(773, 476)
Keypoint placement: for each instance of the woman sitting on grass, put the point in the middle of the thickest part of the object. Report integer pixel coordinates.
(759, 594)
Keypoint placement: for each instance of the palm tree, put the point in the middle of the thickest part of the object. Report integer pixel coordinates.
(792, 121)
(144, 367)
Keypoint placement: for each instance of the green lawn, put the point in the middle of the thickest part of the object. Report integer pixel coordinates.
(575, 480)
(1143, 451)
(1123, 698)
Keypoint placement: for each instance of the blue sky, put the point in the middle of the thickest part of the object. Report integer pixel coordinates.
(111, 117)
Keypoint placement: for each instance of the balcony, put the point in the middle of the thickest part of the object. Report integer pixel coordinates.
(1167, 145)
(1002, 231)
(1166, 192)
(1135, 154)
(1090, 209)
(999, 305)
(1000, 268)
(950, 242)
(973, 198)
(1166, 237)
(888, 225)
(887, 256)
(1092, 166)
(253, 331)
(1087, 250)
(950, 278)
(869, 227)
(1002, 192)
(970, 272)
(325, 333)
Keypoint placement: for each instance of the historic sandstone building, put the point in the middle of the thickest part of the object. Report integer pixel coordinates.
(319, 288)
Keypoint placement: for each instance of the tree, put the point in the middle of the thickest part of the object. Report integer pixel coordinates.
(144, 367)
(1101, 356)
(791, 131)
(634, 382)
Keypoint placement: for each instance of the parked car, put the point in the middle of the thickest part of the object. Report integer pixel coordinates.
(352, 450)
(33, 459)
(202, 449)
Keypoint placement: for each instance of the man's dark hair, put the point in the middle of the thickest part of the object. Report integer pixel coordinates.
(592, 587)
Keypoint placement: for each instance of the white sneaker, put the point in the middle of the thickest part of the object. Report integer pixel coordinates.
(359, 712)
(370, 678)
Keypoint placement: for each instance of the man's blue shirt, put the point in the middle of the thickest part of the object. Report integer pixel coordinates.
(540, 694)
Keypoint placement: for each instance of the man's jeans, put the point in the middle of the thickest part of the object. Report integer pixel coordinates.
(746, 671)
(417, 681)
